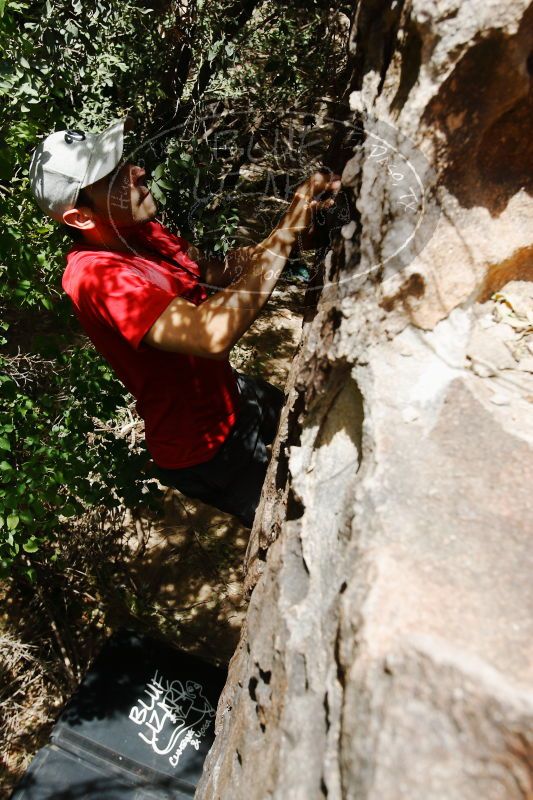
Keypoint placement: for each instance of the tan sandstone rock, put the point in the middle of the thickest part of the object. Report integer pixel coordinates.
(387, 652)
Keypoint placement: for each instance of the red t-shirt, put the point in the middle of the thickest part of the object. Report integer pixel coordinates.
(188, 403)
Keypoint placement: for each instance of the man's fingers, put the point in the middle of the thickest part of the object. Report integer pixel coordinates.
(318, 186)
(333, 185)
(318, 204)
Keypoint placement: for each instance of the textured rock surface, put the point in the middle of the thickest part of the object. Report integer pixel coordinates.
(388, 646)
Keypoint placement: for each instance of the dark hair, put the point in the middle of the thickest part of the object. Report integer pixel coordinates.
(69, 230)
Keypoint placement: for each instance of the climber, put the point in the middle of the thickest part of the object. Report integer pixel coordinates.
(165, 316)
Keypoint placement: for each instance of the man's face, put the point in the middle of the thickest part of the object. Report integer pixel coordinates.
(123, 198)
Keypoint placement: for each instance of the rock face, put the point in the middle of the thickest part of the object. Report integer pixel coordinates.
(388, 647)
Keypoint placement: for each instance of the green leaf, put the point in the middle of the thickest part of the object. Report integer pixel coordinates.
(4, 443)
(7, 160)
(68, 510)
(213, 50)
(12, 521)
(31, 574)
(31, 545)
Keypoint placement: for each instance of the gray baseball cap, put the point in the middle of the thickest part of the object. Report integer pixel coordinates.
(67, 161)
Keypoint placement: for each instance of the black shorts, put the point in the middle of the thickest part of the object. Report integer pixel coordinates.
(232, 480)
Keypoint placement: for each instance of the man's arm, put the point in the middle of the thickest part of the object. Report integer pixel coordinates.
(213, 271)
(212, 328)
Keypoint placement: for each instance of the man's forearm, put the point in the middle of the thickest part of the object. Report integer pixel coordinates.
(257, 268)
(243, 259)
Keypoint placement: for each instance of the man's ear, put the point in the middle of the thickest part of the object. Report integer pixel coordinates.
(79, 218)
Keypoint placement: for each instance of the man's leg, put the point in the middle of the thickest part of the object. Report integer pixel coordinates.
(270, 400)
(239, 498)
(248, 448)
(233, 479)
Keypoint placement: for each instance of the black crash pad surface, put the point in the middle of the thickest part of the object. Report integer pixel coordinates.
(139, 726)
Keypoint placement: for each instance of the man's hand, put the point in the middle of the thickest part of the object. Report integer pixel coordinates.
(317, 184)
(311, 195)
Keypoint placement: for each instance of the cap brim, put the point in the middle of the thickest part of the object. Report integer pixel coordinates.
(107, 151)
